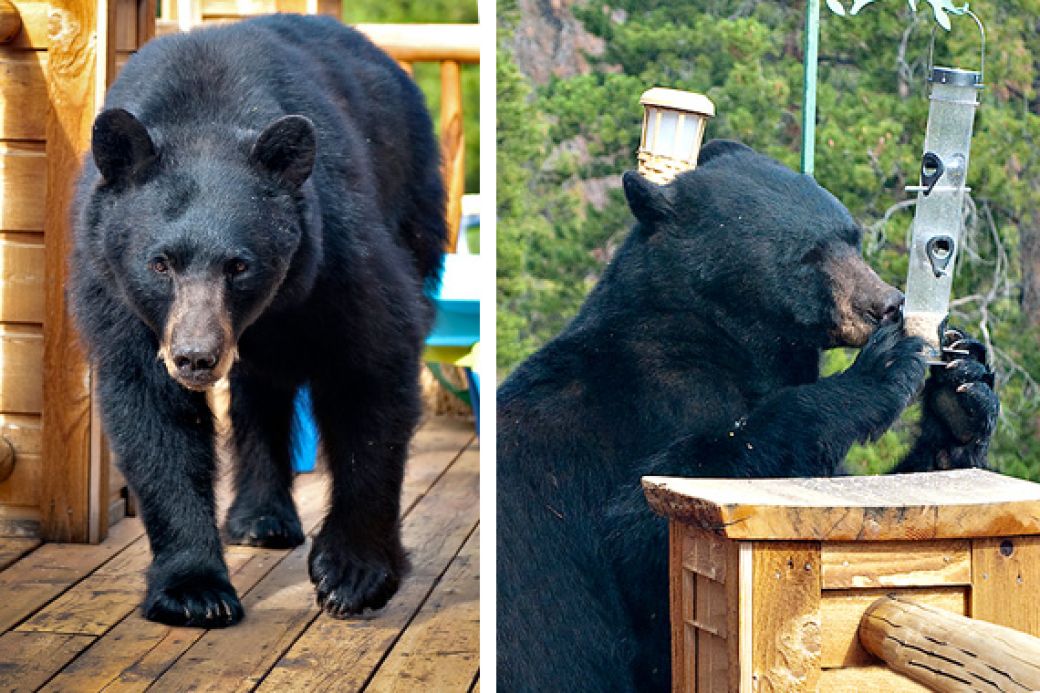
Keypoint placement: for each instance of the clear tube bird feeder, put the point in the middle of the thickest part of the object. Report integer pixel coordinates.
(938, 226)
(673, 129)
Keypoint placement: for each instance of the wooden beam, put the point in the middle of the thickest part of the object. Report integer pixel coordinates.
(78, 36)
(948, 652)
(453, 147)
(430, 43)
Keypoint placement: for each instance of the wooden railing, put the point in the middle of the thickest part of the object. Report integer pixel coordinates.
(450, 45)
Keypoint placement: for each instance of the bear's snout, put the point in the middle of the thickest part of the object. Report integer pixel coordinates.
(198, 346)
(888, 306)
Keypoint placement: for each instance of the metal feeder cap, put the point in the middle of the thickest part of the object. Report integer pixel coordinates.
(955, 77)
(678, 100)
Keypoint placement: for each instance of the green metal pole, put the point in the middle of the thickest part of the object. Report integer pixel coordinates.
(812, 42)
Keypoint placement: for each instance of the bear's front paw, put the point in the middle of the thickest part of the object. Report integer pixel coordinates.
(349, 580)
(959, 393)
(202, 601)
(894, 360)
(275, 526)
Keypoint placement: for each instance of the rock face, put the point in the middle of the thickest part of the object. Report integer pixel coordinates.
(549, 40)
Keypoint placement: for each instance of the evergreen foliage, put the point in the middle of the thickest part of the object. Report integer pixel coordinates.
(557, 142)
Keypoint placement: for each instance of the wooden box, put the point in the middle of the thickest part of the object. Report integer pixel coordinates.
(769, 577)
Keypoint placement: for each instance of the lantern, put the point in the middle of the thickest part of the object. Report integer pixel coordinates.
(673, 128)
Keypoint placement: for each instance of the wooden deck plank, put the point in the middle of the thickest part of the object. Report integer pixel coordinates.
(25, 657)
(342, 655)
(51, 569)
(107, 601)
(440, 649)
(13, 548)
(135, 652)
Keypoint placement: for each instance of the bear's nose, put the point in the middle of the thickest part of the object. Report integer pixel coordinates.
(194, 360)
(889, 307)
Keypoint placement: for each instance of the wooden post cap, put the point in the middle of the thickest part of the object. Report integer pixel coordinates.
(10, 21)
(934, 505)
(949, 652)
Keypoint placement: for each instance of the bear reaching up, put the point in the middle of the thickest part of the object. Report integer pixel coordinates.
(697, 355)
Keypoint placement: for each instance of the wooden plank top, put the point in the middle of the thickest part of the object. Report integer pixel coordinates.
(935, 505)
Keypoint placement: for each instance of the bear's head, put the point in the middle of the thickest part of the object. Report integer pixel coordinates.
(200, 233)
(747, 239)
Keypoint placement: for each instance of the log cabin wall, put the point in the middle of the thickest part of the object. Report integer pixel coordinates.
(52, 78)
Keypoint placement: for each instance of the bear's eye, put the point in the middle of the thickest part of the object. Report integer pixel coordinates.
(159, 265)
(236, 267)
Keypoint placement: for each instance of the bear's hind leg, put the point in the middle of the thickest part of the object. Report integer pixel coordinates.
(357, 560)
(263, 512)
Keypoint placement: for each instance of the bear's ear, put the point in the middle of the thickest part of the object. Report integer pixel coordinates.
(286, 148)
(120, 144)
(716, 148)
(649, 202)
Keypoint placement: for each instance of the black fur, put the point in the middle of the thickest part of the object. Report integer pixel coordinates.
(696, 355)
(288, 165)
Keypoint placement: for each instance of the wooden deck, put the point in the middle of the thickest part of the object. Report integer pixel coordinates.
(70, 620)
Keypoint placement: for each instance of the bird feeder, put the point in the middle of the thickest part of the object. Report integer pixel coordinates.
(673, 129)
(938, 226)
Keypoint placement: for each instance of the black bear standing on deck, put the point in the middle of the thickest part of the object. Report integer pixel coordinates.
(264, 202)
(696, 355)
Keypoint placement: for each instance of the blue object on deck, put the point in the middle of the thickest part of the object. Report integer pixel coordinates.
(304, 433)
(457, 300)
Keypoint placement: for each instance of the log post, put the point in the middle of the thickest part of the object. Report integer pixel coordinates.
(452, 146)
(10, 21)
(948, 652)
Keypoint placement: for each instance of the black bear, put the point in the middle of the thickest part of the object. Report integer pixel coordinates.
(263, 203)
(697, 354)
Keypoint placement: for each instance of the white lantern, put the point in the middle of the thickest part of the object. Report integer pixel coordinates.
(673, 129)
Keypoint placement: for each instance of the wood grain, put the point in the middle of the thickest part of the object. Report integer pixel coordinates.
(338, 655)
(936, 505)
(23, 182)
(21, 357)
(49, 570)
(1006, 582)
(785, 621)
(895, 564)
(10, 21)
(13, 548)
(21, 278)
(440, 650)
(78, 62)
(33, 33)
(679, 605)
(872, 679)
(426, 42)
(23, 95)
(22, 487)
(949, 652)
(841, 611)
(25, 657)
(453, 147)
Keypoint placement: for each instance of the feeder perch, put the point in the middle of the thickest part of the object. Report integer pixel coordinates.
(673, 129)
(770, 578)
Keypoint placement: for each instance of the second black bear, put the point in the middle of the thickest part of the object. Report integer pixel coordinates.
(264, 203)
(697, 355)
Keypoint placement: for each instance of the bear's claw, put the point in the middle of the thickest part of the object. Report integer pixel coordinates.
(272, 528)
(205, 602)
(347, 584)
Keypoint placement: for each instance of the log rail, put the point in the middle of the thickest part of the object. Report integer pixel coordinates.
(948, 652)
